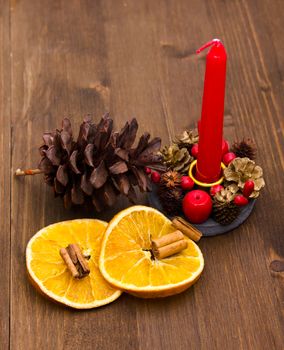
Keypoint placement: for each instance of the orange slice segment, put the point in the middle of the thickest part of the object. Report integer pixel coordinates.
(126, 261)
(49, 273)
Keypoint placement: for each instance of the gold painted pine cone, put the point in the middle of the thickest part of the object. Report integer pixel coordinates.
(187, 139)
(177, 159)
(242, 169)
(227, 194)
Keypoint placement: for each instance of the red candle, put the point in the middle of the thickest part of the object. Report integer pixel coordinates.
(211, 126)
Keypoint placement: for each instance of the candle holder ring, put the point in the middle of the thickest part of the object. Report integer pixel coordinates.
(204, 184)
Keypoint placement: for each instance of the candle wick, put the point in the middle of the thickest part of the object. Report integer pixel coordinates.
(210, 43)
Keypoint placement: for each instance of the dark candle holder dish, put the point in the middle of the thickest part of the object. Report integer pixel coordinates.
(210, 227)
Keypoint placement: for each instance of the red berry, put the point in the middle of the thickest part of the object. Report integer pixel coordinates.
(186, 183)
(214, 189)
(240, 200)
(225, 147)
(194, 150)
(228, 157)
(147, 170)
(248, 188)
(155, 177)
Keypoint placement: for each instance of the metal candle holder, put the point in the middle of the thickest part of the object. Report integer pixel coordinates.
(204, 184)
(209, 227)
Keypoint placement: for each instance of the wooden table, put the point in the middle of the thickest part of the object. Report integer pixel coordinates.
(137, 58)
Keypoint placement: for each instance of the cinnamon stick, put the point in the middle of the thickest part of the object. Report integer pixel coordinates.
(168, 245)
(75, 261)
(186, 228)
(167, 239)
(68, 261)
(83, 264)
(20, 172)
(170, 249)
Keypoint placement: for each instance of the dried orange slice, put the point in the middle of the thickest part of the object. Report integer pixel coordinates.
(126, 261)
(49, 273)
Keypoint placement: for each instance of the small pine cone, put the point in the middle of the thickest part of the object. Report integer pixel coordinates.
(224, 209)
(171, 199)
(245, 148)
(225, 213)
(170, 179)
(187, 139)
(177, 159)
(227, 194)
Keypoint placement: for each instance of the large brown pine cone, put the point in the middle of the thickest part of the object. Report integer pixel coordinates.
(100, 164)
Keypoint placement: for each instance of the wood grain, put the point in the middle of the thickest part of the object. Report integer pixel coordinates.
(5, 164)
(138, 59)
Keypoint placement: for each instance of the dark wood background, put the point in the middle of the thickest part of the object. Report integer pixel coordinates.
(136, 58)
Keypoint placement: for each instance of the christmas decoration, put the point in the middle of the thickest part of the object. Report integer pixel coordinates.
(187, 139)
(194, 151)
(171, 199)
(100, 165)
(212, 114)
(241, 178)
(242, 169)
(186, 183)
(147, 170)
(62, 263)
(75, 261)
(155, 177)
(245, 149)
(176, 159)
(170, 192)
(240, 200)
(248, 188)
(233, 182)
(171, 179)
(132, 259)
(225, 147)
(186, 228)
(228, 157)
(78, 275)
(214, 189)
(197, 206)
(169, 244)
(225, 210)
